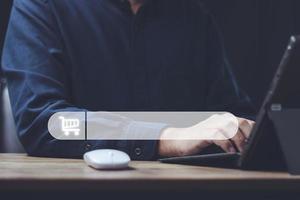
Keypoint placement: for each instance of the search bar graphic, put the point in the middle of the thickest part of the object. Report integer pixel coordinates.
(142, 125)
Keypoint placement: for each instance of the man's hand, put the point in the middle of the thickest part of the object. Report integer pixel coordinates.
(177, 147)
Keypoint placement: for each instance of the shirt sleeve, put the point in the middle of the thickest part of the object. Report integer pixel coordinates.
(35, 66)
(223, 93)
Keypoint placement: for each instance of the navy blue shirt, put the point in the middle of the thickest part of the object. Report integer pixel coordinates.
(96, 55)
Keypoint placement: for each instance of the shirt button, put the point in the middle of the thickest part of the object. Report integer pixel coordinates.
(138, 151)
(88, 147)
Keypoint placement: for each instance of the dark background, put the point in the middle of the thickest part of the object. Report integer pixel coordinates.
(4, 12)
(255, 34)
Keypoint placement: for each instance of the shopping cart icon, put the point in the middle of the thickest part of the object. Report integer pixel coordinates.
(70, 126)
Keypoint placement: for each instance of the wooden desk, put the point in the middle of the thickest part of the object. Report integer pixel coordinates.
(19, 172)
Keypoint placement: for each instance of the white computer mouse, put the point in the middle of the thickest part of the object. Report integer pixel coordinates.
(107, 159)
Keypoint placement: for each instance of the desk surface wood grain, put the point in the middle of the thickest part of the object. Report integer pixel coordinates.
(18, 171)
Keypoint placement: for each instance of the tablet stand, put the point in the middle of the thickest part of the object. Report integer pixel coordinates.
(287, 127)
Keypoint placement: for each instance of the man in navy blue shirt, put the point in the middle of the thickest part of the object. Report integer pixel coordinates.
(117, 55)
